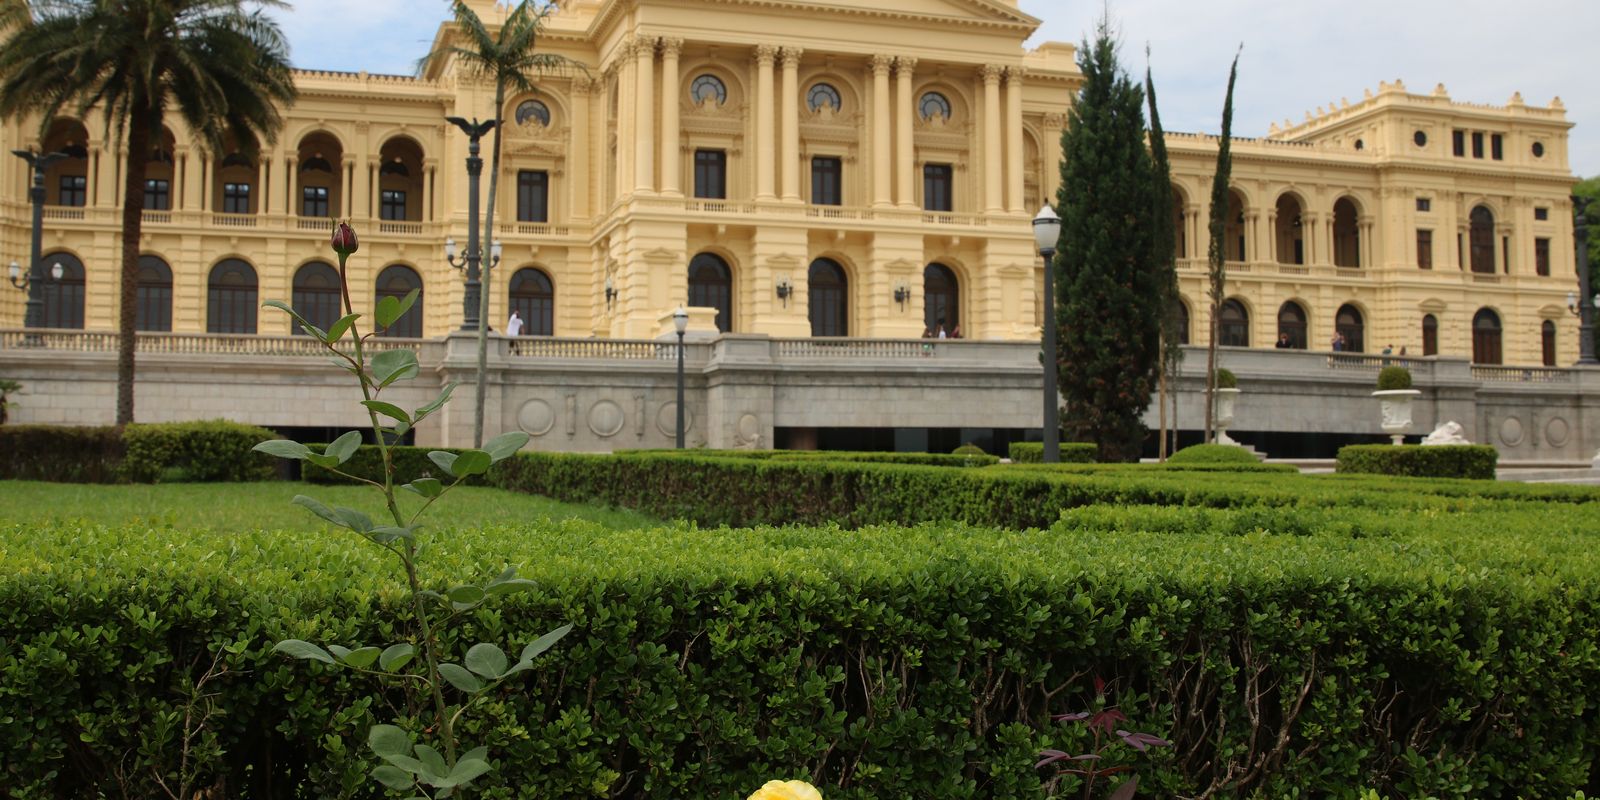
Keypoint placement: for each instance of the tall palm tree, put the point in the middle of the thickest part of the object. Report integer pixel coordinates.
(222, 68)
(507, 56)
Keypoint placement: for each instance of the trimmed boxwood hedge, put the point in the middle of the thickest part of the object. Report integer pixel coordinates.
(978, 459)
(1212, 454)
(1071, 452)
(216, 450)
(59, 453)
(1476, 461)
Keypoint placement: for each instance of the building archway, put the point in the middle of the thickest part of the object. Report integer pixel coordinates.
(1289, 230)
(1481, 236)
(533, 297)
(63, 297)
(153, 304)
(1292, 323)
(1350, 323)
(1430, 335)
(941, 299)
(1233, 324)
(1486, 338)
(231, 294)
(1346, 234)
(1547, 342)
(828, 297)
(711, 286)
(315, 296)
(397, 281)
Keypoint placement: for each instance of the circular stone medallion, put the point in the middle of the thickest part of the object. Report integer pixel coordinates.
(1557, 432)
(1511, 432)
(536, 417)
(606, 419)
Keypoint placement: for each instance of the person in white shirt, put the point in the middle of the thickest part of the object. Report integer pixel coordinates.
(514, 325)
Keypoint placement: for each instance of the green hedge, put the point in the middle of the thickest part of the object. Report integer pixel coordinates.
(1475, 461)
(1212, 454)
(978, 459)
(217, 450)
(1071, 452)
(879, 663)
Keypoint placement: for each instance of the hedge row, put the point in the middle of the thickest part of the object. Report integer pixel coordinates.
(1418, 461)
(216, 450)
(880, 663)
(978, 459)
(1071, 452)
(1213, 454)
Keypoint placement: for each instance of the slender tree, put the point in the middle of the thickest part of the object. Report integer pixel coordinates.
(1217, 252)
(507, 56)
(1164, 242)
(222, 68)
(1109, 287)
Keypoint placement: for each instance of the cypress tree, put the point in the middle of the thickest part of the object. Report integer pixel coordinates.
(1109, 289)
(1163, 241)
(1218, 251)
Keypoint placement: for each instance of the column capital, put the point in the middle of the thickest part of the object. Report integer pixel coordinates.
(881, 64)
(671, 47)
(1055, 121)
(904, 65)
(766, 54)
(991, 73)
(583, 84)
(644, 47)
(1016, 74)
(791, 56)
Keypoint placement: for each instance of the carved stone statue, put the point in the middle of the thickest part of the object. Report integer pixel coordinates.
(1448, 433)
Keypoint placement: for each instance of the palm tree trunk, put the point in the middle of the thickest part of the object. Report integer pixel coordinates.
(483, 293)
(139, 125)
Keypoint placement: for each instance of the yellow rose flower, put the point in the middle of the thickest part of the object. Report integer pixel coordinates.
(787, 790)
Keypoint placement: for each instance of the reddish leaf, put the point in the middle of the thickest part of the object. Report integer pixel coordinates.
(1143, 741)
(1106, 720)
(1127, 790)
(1075, 716)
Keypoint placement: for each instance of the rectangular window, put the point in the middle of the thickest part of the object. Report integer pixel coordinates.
(1541, 256)
(1458, 141)
(1497, 147)
(1477, 144)
(826, 182)
(1425, 249)
(393, 206)
(314, 201)
(235, 198)
(1424, 204)
(157, 195)
(936, 180)
(1541, 214)
(533, 196)
(711, 174)
(74, 191)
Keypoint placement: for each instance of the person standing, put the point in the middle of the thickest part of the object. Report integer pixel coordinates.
(514, 325)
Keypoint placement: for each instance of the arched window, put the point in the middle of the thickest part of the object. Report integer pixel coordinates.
(1430, 335)
(1292, 324)
(315, 297)
(933, 105)
(1547, 342)
(1346, 234)
(823, 95)
(941, 299)
(1182, 311)
(1482, 238)
(828, 295)
(533, 111)
(1486, 337)
(1290, 233)
(63, 299)
(231, 298)
(1349, 324)
(1233, 325)
(711, 286)
(153, 301)
(708, 88)
(397, 281)
(533, 297)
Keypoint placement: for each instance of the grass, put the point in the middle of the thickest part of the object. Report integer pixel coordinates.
(235, 507)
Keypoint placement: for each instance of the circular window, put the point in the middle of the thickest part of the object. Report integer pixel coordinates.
(1420, 138)
(533, 111)
(1538, 149)
(708, 88)
(823, 96)
(1361, 145)
(934, 105)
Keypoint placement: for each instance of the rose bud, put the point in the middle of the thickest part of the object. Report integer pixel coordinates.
(344, 239)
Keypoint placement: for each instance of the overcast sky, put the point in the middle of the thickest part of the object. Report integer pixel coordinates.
(1298, 54)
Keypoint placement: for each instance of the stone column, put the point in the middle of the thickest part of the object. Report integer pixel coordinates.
(426, 200)
(905, 145)
(347, 175)
(790, 123)
(1366, 249)
(282, 201)
(578, 189)
(671, 182)
(766, 145)
(264, 176)
(192, 177)
(102, 176)
(991, 139)
(1014, 181)
(644, 164)
(626, 124)
(880, 130)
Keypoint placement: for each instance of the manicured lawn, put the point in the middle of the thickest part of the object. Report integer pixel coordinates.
(226, 507)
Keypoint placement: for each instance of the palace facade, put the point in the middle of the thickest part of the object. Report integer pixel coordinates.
(808, 170)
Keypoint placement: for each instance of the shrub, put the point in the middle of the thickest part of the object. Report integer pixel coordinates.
(968, 449)
(1226, 379)
(216, 450)
(1392, 378)
(924, 459)
(60, 453)
(1212, 454)
(1475, 461)
(1071, 452)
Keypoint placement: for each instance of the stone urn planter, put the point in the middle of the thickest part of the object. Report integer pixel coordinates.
(1222, 415)
(1396, 411)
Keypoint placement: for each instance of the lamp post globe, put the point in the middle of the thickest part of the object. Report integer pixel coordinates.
(1046, 234)
(680, 322)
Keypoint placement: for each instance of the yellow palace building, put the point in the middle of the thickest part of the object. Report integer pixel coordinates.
(834, 169)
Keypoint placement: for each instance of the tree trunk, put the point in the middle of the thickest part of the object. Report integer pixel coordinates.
(1211, 367)
(1161, 403)
(486, 267)
(139, 125)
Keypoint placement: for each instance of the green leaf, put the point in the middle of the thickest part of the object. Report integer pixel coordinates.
(432, 760)
(444, 460)
(426, 487)
(295, 648)
(394, 365)
(337, 330)
(317, 508)
(321, 460)
(544, 643)
(391, 309)
(389, 410)
(393, 777)
(344, 447)
(438, 403)
(479, 753)
(283, 448)
(353, 519)
(396, 656)
(460, 678)
(505, 445)
(500, 588)
(487, 660)
(468, 769)
(466, 595)
(389, 534)
(388, 740)
(284, 307)
(361, 657)
(472, 462)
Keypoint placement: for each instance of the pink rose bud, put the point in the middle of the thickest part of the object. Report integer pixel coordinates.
(344, 239)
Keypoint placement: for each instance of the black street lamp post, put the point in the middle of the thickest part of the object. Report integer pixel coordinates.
(474, 130)
(34, 282)
(680, 321)
(1584, 303)
(1046, 232)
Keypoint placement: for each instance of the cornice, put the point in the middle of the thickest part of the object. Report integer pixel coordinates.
(1004, 19)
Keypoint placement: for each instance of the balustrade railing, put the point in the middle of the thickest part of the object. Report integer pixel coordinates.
(602, 349)
(233, 220)
(1373, 362)
(184, 343)
(833, 349)
(1522, 374)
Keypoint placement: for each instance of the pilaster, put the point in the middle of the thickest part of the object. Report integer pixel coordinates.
(790, 172)
(671, 170)
(992, 184)
(880, 131)
(766, 145)
(905, 147)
